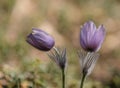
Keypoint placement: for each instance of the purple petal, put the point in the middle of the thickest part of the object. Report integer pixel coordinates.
(86, 34)
(99, 36)
(32, 41)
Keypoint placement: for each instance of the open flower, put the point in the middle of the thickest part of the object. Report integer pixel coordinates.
(91, 38)
(40, 40)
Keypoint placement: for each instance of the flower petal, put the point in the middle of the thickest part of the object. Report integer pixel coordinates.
(99, 37)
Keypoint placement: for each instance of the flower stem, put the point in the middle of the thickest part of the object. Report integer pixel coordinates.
(19, 82)
(63, 78)
(82, 81)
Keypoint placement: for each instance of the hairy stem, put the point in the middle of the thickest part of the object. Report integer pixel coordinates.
(82, 81)
(63, 78)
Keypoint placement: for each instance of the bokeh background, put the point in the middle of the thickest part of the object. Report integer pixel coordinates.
(21, 64)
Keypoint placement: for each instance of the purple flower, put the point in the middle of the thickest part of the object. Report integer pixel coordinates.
(91, 38)
(40, 40)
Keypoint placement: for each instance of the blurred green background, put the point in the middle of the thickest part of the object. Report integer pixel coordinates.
(21, 63)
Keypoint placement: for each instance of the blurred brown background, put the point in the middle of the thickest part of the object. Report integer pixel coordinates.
(62, 19)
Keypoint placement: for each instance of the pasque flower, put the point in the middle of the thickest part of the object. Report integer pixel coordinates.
(91, 38)
(40, 40)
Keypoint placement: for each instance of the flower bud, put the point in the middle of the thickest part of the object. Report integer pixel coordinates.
(40, 40)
